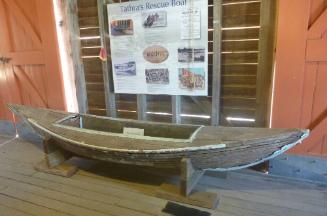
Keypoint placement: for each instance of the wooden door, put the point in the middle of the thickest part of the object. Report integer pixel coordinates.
(301, 72)
(29, 58)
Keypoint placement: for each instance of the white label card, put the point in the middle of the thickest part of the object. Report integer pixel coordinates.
(133, 131)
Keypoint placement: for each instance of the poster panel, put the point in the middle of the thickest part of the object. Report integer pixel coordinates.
(159, 46)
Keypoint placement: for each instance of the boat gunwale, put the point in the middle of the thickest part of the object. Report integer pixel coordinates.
(192, 137)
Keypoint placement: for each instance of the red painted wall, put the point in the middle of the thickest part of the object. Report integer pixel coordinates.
(28, 36)
(300, 91)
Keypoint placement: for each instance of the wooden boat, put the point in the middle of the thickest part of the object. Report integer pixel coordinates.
(162, 144)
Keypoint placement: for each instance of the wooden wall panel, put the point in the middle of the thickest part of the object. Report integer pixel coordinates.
(28, 36)
(301, 73)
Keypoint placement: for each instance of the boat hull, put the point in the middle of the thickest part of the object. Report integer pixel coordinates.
(217, 159)
(217, 148)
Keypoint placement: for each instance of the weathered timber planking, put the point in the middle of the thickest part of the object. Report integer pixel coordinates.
(80, 203)
(87, 22)
(276, 189)
(264, 198)
(6, 211)
(91, 42)
(72, 40)
(91, 51)
(110, 97)
(92, 65)
(238, 58)
(250, 8)
(239, 46)
(241, 21)
(95, 86)
(239, 69)
(237, 1)
(87, 3)
(90, 32)
(238, 34)
(97, 78)
(27, 207)
(78, 193)
(265, 61)
(50, 203)
(239, 90)
(96, 98)
(238, 79)
(88, 11)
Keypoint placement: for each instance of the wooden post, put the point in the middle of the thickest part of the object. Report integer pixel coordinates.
(106, 65)
(141, 107)
(176, 109)
(189, 177)
(266, 57)
(216, 76)
(55, 158)
(70, 28)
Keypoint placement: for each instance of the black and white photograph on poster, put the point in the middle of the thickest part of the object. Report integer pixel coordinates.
(154, 19)
(157, 76)
(125, 69)
(191, 55)
(121, 27)
(199, 55)
(185, 55)
(191, 78)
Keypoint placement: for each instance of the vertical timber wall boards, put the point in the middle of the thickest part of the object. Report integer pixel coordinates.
(242, 66)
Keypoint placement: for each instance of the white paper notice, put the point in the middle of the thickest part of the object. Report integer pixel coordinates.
(159, 46)
(191, 24)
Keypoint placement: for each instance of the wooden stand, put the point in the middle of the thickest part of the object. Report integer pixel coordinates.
(54, 162)
(185, 193)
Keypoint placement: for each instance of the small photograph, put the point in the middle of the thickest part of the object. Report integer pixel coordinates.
(185, 55)
(157, 76)
(191, 78)
(191, 55)
(199, 55)
(155, 19)
(121, 27)
(125, 69)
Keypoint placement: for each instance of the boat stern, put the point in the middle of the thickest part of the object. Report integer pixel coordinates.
(39, 115)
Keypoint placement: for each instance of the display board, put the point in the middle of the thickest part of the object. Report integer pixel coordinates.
(159, 46)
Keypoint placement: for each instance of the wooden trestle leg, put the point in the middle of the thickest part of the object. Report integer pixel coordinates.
(185, 193)
(54, 162)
